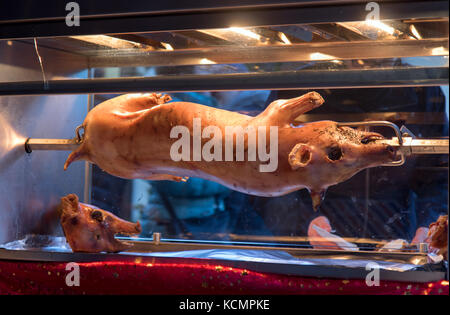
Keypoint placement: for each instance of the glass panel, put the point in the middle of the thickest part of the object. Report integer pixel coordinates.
(373, 207)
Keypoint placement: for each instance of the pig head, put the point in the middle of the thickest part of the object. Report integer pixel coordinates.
(325, 154)
(90, 229)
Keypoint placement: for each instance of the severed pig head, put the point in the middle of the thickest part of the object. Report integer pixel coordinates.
(90, 229)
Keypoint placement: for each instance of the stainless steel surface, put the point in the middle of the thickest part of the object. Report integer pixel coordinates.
(145, 245)
(31, 184)
(51, 144)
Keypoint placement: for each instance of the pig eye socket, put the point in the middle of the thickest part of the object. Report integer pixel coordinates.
(334, 153)
(97, 215)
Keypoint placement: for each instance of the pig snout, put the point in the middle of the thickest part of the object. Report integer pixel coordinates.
(382, 153)
(391, 151)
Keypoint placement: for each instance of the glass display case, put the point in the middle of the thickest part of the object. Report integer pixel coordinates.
(379, 67)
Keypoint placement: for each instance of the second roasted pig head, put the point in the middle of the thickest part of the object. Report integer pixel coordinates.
(328, 154)
(90, 229)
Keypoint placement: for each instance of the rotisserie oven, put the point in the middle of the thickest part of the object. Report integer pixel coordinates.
(305, 142)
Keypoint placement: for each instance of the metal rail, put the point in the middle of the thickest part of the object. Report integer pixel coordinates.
(155, 16)
(279, 80)
(260, 54)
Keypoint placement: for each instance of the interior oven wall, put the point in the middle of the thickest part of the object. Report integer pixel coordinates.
(32, 184)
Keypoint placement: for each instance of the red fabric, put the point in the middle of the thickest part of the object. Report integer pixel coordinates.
(183, 276)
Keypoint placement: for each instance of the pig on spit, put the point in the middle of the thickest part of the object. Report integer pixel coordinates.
(129, 136)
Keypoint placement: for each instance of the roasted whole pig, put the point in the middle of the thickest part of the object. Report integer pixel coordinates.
(90, 229)
(132, 136)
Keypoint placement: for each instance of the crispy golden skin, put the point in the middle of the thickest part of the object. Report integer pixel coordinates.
(129, 137)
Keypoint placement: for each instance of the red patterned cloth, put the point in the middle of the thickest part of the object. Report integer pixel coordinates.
(183, 276)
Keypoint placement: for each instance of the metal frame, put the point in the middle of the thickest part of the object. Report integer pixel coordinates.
(55, 9)
(110, 18)
(290, 53)
(304, 79)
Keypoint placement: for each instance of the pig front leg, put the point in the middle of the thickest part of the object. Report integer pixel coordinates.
(284, 112)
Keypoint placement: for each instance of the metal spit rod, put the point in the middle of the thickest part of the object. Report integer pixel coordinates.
(418, 146)
(55, 144)
(406, 143)
(410, 145)
(51, 144)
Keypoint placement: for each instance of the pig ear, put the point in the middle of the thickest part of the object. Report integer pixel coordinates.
(300, 156)
(68, 206)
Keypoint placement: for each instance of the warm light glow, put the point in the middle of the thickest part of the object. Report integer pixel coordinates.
(206, 61)
(415, 32)
(10, 139)
(381, 26)
(167, 46)
(108, 41)
(416, 261)
(444, 282)
(438, 51)
(320, 56)
(245, 32)
(17, 140)
(284, 38)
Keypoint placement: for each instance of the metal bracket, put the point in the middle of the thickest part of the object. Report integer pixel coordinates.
(405, 141)
(386, 124)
